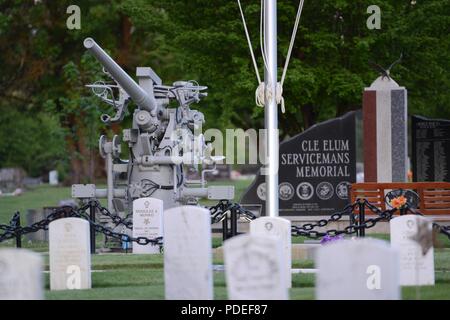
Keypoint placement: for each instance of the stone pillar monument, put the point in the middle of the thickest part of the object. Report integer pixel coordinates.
(385, 120)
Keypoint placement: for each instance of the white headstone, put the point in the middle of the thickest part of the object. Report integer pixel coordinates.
(147, 222)
(280, 228)
(361, 269)
(254, 268)
(188, 254)
(53, 178)
(415, 267)
(20, 275)
(69, 250)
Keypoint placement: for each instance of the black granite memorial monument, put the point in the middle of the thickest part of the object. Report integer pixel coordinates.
(316, 167)
(430, 149)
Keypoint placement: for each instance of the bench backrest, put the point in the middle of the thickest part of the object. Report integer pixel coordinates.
(434, 196)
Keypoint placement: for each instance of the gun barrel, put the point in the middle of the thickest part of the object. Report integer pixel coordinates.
(139, 96)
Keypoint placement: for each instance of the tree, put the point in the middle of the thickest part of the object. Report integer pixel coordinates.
(45, 67)
(330, 65)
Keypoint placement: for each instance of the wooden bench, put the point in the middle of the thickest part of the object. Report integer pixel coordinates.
(434, 196)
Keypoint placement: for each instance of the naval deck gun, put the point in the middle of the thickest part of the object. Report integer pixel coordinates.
(162, 142)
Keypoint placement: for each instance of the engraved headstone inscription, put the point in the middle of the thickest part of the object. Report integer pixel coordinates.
(416, 256)
(147, 222)
(254, 268)
(430, 149)
(361, 269)
(69, 250)
(316, 167)
(280, 228)
(188, 254)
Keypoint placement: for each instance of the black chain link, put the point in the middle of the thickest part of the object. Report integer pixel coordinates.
(14, 230)
(445, 230)
(218, 213)
(348, 210)
(306, 229)
(220, 210)
(349, 230)
(116, 219)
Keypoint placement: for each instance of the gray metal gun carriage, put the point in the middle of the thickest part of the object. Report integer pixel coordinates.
(163, 142)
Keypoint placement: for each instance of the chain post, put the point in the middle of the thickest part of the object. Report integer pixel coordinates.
(229, 213)
(225, 228)
(92, 209)
(233, 221)
(362, 217)
(18, 234)
(403, 210)
(351, 216)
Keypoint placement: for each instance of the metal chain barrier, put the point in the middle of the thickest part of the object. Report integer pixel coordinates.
(306, 229)
(116, 219)
(220, 211)
(10, 229)
(13, 231)
(348, 210)
(349, 230)
(445, 230)
(224, 212)
(16, 230)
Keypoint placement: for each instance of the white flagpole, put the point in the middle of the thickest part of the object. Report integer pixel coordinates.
(271, 108)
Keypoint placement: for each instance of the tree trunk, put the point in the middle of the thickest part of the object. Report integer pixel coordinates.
(83, 160)
(308, 115)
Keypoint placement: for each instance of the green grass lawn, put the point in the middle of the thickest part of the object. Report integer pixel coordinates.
(36, 198)
(49, 196)
(128, 276)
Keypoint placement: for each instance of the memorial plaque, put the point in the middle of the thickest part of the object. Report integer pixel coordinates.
(361, 269)
(69, 250)
(147, 222)
(21, 275)
(316, 167)
(254, 268)
(431, 149)
(412, 236)
(188, 254)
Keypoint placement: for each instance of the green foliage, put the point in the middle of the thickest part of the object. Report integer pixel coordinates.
(329, 67)
(45, 67)
(35, 143)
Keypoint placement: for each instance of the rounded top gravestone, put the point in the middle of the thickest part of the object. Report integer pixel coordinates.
(361, 269)
(254, 268)
(188, 254)
(279, 228)
(147, 222)
(69, 250)
(21, 275)
(412, 236)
